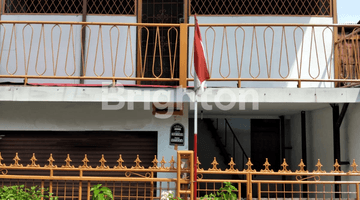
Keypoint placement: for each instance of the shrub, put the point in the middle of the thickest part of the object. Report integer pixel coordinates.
(19, 192)
(224, 193)
(101, 193)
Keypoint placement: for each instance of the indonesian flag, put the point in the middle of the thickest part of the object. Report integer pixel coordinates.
(201, 71)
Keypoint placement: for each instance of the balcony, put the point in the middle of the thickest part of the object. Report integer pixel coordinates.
(238, 55)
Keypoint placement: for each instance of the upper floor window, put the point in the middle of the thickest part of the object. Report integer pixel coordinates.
(201, 7)
(121, 7)
(261, 7)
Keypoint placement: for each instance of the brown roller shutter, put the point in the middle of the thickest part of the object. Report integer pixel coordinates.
(77, 144)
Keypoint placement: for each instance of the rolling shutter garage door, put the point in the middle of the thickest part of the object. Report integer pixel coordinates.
(77, 144)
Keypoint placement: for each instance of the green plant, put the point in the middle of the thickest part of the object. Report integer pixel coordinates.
(19, 192)
(171, 197)
(224, 193)
(101, 193)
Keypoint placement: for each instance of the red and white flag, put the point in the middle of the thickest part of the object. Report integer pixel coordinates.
(201, 70)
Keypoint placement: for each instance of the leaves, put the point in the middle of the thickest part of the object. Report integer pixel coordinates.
(19, 192)
(224, 193)
(101, 193)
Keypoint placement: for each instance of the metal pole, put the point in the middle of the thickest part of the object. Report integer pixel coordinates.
(303, 148)
(282, 136)
(83, 41)
(195, 145)
(303, 138)
(183, 55)
(336, 143)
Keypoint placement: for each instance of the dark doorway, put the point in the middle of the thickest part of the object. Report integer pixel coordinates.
(162, 65)
(265, 143)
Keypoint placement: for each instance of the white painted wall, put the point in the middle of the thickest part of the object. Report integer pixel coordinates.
(319, 140)
(295, 144)
(51, 55)
(352, 128)
(220, 66)
(90, 116)
(319, 143)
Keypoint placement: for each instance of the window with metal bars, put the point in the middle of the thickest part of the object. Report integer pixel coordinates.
(43, 6)
(263, 7)
(161, 63)
(121, 7)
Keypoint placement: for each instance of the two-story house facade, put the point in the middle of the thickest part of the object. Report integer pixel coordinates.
(114, 77)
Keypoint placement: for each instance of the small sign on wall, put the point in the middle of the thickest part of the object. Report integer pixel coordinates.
(177, 134)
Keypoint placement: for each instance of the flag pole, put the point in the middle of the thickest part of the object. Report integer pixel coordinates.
(195, 137)
(200, 76)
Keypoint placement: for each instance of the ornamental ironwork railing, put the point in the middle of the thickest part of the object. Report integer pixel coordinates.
(296, 53)
(137, 182)
(107, 51)
(274, 55)
(68, 181)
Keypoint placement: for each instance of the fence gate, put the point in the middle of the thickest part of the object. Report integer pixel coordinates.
(185, 174)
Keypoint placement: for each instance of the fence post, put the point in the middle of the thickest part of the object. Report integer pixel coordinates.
(80, 190)
(187, 155)
(42, 189)
(88, 190)
(192, 178)
(357, 191)
(152, 187)
(178, 168)
(337, 61)
(335, 39)
(183, 62)
(249, 186)
(83, 41)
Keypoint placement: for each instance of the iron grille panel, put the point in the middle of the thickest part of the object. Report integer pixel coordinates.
(265, 7)
(121, 7)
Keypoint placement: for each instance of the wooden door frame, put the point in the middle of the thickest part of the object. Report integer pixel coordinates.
(138, 13)
(138, 38)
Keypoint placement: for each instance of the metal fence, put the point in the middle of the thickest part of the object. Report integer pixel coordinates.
(74, 182)
(136, 182)
(283, 183)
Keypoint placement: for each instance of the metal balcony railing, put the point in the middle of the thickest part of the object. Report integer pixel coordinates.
(309, 55)
(281, 52)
